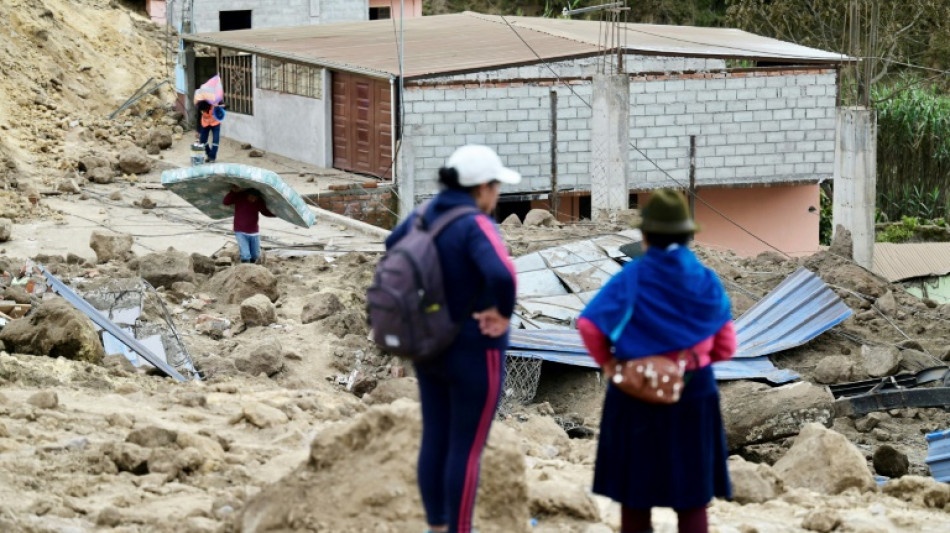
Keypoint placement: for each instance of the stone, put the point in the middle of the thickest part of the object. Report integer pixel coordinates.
(266, 357)
(825, 462)
(163, 269)
(215, 327)
(147, 203)
(871, 421)
(111, 246)
(362, 384)
(754, 412)
(559, 497)
(910, 344)
(258, 310)
(210, 449)
(109, 517)
(164, 461)
(160, 137)
(246, 146)
(889, 461)
(203, 264)
(915, 361)
(887, 304)
(135, 161)
(44, 400)
(320, 306)
(128, 457)
(92, 162)
(120, 420)
(919, 490)
(242, 281)
(69, 186)
(512, 220)
(390, 390)
(880, 361)
(539, 217)
(256, 153)
(834, 369)
(101, 175)
(6, 229)
(18, 294)
(55, 329)
(153, 149)
(152, 437)
(821, 520)
(73, 259)
(881, 434)
(264, 416)
(753, 483)
(841, 243)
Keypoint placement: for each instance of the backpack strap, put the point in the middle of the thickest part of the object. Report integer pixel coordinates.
(449, 217)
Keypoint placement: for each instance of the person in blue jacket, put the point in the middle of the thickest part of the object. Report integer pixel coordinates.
(460, 390)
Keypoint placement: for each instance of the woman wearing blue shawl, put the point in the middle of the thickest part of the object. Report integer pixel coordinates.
(652, 455)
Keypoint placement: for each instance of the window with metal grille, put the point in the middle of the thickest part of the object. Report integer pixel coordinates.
(290, 78)
(237, 75)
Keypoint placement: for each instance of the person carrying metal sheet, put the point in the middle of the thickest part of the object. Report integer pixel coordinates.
(655, 328)
(460, 388)
(248, 205)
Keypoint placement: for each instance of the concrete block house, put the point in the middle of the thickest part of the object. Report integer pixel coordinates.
(759, 113)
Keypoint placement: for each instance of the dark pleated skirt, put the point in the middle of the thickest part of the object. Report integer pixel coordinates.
(664, 455)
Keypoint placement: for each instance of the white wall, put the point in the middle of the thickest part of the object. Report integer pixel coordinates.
(286, 124)
(277, 13)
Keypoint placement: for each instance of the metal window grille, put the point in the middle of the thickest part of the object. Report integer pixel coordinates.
(289, 78)
(237, 75)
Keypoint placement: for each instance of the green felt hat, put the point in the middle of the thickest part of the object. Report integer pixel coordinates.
(667, 212)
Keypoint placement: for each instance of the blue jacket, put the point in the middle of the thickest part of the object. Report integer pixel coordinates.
(476, 268)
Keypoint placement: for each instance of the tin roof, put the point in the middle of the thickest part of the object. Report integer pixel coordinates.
(898, 262)
(469, 41)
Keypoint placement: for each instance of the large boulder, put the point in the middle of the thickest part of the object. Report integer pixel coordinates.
(90, 162)
(163, 269)
(56, 329)
(320, 306)
(101, 175)
(243, 281)
(824, 461)
(111, 246)
(258, 310)
(754, 412)
(753, 483)
(265, 358)
(135, 161)
(335, 477)
(880, 361)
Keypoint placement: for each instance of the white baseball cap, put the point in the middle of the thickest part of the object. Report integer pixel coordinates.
(477, 164)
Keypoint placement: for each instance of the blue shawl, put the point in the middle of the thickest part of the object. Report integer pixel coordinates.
(665, 301)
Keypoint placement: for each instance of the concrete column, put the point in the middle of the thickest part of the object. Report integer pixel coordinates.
(856, 179)
(406, 174)
(610, 143)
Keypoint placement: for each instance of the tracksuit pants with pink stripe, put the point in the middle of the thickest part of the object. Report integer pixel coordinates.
(459, 395)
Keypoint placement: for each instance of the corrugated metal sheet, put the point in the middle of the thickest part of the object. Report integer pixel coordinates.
(898, 262)
(938, 455)
(798, 310)
(470, 41)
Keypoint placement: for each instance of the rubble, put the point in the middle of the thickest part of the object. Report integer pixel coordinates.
(164, 269)
(753, 483)
(540, 217)
(240, 282)
(880, 361)
(320, 306)
(264, 358)
(258, 310)
(755, 413)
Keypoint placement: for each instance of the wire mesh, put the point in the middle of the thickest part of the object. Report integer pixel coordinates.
(521, 382)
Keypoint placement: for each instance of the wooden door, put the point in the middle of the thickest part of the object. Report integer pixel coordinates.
(362, 127)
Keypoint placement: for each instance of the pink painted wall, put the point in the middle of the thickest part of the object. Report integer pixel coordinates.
(156, 10)
(413, 7)
(778, 215)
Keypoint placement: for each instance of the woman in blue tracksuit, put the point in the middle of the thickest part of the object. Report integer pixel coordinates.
(460, 390)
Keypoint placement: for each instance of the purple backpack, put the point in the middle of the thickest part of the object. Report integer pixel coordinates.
(406, 302)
